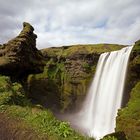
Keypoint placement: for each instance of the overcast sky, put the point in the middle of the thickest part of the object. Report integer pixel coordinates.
(64, 22)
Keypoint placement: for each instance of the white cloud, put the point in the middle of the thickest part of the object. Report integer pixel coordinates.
(63, 22)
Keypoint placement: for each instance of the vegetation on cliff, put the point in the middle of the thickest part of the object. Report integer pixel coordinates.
(67, 75)
(128, 119)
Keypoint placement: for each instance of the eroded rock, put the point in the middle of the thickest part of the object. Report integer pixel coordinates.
(19, 56)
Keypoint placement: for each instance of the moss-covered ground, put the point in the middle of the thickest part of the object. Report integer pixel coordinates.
(41, 122)
(128, 119)
(67, 51)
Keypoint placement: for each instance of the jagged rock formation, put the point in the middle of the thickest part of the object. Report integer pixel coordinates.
(67, 75)
(20, 57)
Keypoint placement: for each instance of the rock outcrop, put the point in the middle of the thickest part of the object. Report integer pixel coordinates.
(20, 57)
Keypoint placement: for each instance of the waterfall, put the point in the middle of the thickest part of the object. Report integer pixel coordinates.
(98, 113)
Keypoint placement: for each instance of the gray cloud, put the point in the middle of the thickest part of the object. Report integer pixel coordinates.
(63, 22)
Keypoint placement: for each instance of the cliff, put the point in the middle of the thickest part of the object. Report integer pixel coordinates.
(67, 75)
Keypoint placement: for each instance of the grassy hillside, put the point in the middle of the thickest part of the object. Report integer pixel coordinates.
(67, 51)
(21, 119)
(129, 117)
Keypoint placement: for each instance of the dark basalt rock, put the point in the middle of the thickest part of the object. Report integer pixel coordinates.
(20, 57)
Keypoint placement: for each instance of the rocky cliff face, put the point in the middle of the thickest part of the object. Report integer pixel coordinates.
(67, 75)
(20, 57)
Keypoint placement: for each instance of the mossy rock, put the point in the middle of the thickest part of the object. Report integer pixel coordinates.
(19, 57)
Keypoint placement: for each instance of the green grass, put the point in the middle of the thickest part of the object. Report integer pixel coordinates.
(133, 108)
(51, 70)
(43, 122)
(14, 104)
(137, 46)
(11, 93)
(128, 119)
(86, 66)
(66, 51)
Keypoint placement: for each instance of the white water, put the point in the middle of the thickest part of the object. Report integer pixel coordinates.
(97, 116)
